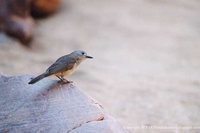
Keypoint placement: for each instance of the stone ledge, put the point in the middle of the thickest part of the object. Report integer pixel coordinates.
(48, 106)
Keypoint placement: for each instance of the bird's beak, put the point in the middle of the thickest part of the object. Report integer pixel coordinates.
(90, 57)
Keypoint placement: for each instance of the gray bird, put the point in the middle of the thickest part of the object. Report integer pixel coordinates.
(63, 66)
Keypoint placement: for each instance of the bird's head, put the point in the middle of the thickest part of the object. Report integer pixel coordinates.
(80, 55)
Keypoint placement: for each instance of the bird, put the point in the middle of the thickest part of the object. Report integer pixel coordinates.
(63, 66)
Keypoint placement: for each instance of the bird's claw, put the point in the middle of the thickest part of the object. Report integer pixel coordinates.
(64, 81)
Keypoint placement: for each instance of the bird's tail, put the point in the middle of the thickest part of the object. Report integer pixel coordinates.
(36, 79)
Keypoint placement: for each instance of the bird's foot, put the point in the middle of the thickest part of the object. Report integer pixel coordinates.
(64, 81)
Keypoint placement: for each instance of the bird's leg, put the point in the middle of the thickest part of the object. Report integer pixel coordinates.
(62, 80)
(59, 77)
(65, 80)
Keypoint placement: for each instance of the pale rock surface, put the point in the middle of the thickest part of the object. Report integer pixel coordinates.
(49, 106)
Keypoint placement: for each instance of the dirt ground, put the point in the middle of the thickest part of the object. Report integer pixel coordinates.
(146, 70)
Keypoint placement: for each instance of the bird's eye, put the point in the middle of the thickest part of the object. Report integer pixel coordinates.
(83, 53)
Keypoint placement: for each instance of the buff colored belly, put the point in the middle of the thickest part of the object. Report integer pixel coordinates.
(67, 73)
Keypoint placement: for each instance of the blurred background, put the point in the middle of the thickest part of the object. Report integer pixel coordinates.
(146, 65)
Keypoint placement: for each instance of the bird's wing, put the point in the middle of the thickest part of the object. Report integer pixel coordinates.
(64, 63)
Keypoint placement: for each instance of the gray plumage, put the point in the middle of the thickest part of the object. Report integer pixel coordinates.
(64, 65)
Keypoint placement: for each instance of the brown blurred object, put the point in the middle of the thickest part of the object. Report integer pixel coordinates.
(16, 19)
(43, 8)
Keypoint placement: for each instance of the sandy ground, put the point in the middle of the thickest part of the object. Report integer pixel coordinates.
(146, 70)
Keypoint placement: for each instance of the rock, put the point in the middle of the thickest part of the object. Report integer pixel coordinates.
(49, 106)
